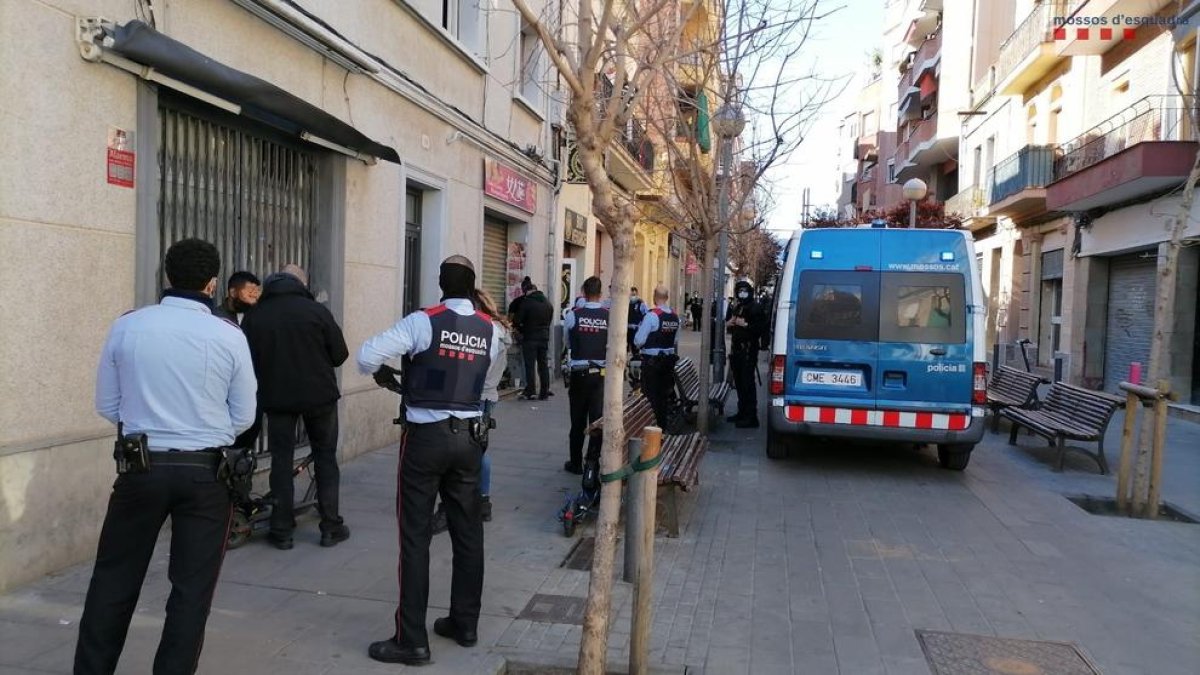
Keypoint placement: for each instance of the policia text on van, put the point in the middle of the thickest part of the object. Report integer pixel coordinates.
(879, 336)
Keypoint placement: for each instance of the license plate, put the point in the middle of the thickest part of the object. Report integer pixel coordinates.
(833, 378)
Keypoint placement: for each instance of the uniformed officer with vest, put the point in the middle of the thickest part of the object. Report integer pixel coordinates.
(447, 350)
(586, 331)
(657, 337)
(747, 325)
(179, 383)
(637, 312)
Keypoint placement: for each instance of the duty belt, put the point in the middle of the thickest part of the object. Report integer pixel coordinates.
(456, 424)
(208, 459)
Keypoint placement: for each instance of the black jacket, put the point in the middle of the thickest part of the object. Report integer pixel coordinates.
(533, 317)
(295, 344)
(747, 338)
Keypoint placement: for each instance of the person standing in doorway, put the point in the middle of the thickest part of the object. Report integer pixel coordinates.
(178, 381)
(532, 321)
(747, 325)
(241, 293)
(296, 345)
(658, 337)
(585, 330)
(448, 351)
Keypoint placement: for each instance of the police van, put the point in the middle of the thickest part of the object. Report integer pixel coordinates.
(879, 336)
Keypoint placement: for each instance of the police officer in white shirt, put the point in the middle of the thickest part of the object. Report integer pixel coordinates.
(183, 378)
(447, 351)
(657, 337)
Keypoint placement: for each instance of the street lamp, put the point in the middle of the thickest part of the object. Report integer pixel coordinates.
(914, 191)
(728, 123)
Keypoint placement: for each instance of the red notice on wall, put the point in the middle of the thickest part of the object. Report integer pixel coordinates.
(121, 159)
(508, 185)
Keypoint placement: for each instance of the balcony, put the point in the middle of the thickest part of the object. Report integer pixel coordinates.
(1103, 32)
(1018, 183)
(633, 164)
(926, 18)
(1146, 148)
(1028, 53)
(969, 204)
(919, 82)
(695, 69)
(923, 150)
(866, 148)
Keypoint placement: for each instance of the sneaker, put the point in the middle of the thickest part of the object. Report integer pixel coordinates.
(439, 520)
(545, 395)
(283, 543)
(486, 509)
(334, 535)
(571, 467)
(526, 397)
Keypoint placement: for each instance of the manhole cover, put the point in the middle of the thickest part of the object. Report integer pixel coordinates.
(580, 557)
(962, 654)
(544, 608)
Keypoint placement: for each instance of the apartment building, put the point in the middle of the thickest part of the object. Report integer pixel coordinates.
(366, 141)
(1074, 149)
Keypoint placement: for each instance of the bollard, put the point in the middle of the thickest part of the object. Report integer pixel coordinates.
(995, 357)
(633, 519)
(1156, 453)
(1132, 403)
(1058, 367)
(643, 581)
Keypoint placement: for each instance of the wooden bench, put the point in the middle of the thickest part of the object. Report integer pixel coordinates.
(1068, 412)
(688, 379)
(681, 455)
(1011, 388)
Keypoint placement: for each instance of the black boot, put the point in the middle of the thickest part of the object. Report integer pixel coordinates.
(388, 651)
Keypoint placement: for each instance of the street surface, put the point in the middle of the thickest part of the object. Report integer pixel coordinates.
(825, 563)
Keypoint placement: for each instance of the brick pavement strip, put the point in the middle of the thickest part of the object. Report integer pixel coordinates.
(823, 563)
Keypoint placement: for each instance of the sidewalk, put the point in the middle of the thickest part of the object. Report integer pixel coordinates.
(824, 563)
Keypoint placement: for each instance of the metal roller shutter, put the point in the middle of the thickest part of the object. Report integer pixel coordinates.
(495, 259)
(1131, 289)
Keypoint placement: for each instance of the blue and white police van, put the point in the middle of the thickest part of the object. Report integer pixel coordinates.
(879, 335)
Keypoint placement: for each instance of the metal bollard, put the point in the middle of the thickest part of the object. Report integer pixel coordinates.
(1058, 367)
(995, 357)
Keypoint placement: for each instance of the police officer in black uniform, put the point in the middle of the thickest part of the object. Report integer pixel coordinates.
(657, 337)
(637, 312)
(586, 332)
(747, 325)
(447, 351)
(179, 384)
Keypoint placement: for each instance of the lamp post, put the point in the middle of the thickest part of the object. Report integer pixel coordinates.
(728, 123)
(914, 191)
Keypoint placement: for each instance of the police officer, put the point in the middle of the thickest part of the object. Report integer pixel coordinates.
(447, 350)
(637, 312)
(585, 330)
(657, 337)
(183, 378)
(747, 326)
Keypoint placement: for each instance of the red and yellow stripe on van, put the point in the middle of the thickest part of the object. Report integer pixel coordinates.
(878, 418)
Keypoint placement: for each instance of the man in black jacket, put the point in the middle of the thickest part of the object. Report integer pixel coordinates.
(295, 344)
(532, 321)
(747, 324)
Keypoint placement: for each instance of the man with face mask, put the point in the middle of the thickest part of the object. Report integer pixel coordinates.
(447, 351)
(241, 293)
(747, 324)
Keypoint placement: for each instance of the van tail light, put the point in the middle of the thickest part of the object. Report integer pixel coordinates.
(979, 392)
(777, 364)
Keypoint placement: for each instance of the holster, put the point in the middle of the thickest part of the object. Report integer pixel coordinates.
(132, 452)
(236, 470)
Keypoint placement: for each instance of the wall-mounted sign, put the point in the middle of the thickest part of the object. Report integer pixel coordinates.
(693, 266)
(120, 160)
(676, 245)
(508, 185)
(575, 229)
(514, 270)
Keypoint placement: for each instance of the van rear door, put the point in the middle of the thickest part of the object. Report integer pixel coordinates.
(833, 354)
(925, 355)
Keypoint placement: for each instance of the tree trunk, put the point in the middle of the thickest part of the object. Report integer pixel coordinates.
(1164, 330)
(706, 345)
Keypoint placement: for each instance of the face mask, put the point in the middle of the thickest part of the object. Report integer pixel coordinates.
(744, 295)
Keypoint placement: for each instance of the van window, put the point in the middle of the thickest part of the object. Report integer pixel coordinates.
(838, 305)
(922, 307)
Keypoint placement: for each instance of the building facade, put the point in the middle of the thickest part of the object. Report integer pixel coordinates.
(281, 131)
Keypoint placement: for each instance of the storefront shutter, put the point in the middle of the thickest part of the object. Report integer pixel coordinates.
(1131, 292)
(495, 257)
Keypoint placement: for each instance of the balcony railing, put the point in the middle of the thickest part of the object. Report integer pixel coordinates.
(1154, 118)
(967, 203)
(1030, 167)
(1036, 29)
(634, 139)
(924, 132)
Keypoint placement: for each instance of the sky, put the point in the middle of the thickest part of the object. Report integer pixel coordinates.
(840, 44)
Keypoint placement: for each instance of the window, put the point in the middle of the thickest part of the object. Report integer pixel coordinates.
(463, 20)
(978, 165)
(688, 114)
(530, 65)
(922, 307)
(838, 305)
(891, 171)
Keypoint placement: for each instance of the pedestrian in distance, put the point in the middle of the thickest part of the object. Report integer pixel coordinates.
(241, 293)
(179, 384)
(532, 320)
(585, 331)
(697, 310)
(747, 325)
(296, 345)
(448, 350)
(657, 337)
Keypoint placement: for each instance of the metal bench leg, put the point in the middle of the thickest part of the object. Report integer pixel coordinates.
(1013, 430)
(672, 512)
(1101, 459)
(995, 420)
(1062, 451)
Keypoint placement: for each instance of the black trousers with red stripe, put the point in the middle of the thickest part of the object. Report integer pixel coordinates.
(198, 505)
(439, 458)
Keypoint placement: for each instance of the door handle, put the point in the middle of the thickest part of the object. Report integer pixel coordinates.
(937, 351)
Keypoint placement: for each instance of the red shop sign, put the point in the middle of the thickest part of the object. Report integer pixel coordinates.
(508, 185)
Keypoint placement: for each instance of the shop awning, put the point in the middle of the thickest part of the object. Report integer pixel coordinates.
(256, 98)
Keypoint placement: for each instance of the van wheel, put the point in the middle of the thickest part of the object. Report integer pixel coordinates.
(954, 456)
(777, 446)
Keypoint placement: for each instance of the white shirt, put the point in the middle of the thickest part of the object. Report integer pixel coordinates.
(650, 324)
(412, 335)
(178, 374)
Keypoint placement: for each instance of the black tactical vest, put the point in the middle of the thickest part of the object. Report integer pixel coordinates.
(589, 336)
(664, 337)
(449, 374)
